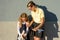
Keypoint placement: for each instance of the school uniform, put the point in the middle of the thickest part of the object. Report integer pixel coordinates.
(20, 30)
(37, 18)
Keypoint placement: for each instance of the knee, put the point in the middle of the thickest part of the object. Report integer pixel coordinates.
(36, 38)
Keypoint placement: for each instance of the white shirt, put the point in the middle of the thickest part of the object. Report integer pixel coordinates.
(18, 28)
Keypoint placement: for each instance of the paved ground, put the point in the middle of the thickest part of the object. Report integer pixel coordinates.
(8, 31)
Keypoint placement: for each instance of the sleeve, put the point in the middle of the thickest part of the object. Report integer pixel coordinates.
(42, 13)
(18, 28)
(27, 29)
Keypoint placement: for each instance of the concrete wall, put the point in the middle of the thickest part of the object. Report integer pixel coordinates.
(11, 9)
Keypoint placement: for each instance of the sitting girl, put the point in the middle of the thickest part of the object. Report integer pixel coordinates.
(23, 27)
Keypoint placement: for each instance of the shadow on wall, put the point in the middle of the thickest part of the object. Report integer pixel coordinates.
(51, 25)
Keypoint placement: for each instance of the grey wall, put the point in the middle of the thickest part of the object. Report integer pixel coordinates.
(11, 9)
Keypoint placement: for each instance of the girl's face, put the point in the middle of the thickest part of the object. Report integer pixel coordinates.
(23, 19)
(31, 7)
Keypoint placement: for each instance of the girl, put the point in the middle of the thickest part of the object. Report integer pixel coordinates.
(38, 20)
(23, 26)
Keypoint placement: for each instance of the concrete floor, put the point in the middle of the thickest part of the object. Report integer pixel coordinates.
(8, 31)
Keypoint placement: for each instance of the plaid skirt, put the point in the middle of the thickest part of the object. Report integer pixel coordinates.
(39, 33)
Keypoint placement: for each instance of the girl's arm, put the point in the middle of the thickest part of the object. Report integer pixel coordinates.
(23, 32)
(27, 24)
(27, 27)
(18, 28)
(31, 23)
(40, 25)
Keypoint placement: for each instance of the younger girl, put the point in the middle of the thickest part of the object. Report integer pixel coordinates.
(23, 26)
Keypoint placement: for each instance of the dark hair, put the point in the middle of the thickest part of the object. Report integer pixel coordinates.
(31, 4)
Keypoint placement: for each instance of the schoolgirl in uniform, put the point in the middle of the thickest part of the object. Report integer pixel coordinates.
(23, 27)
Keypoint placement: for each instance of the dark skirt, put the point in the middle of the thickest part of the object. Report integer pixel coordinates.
(35, 33)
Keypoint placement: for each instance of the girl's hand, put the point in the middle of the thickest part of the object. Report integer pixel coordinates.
(34, 29)
(24, 35)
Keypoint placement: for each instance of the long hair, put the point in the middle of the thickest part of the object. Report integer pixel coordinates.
(23, 15)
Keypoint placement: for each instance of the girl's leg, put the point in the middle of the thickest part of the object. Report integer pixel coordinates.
(37, 38)
(17, 37)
